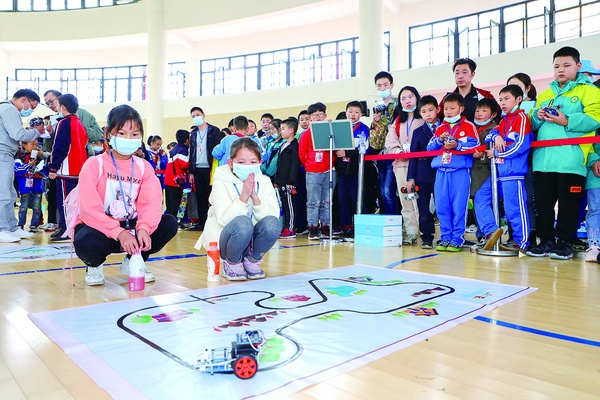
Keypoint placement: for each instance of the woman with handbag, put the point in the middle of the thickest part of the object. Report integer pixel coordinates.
(177, 171)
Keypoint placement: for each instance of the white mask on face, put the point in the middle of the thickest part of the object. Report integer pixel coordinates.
(242, 170)
(124, 146)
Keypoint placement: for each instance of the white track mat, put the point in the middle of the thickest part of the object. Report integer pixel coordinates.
(317, 325)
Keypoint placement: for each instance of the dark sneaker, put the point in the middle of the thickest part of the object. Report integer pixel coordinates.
(325, 231)
(453, 247)
(427, 244)
(541, 250)
(348, 234)
(58, 233)
(562, 251)
(337, 230)
(442, 245)
(313, 233)
(492, 238)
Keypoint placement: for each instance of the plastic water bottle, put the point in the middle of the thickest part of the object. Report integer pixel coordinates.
(213, 260)
(136, 273)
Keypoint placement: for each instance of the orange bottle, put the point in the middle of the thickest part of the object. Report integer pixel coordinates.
(214, 262)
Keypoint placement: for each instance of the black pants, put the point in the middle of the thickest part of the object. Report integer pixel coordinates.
(93, 246)
(288, 204)
(568, 190)
(348, 198)
(52, 209)
(203, 188)
(426, 224)
(300, 221)
(172, 199)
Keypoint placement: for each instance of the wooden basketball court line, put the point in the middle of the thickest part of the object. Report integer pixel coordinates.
(545, 345)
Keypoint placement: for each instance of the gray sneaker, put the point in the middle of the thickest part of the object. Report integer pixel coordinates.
(233, 272)
(94, 276)
(124, 268)
(253, 270)
(410, 239)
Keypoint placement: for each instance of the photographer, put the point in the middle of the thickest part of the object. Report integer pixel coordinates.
(12, 132)
(382, 114)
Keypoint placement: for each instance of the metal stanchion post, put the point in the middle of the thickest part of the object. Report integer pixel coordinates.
(362, 150)
(331, 239)
(495, 251)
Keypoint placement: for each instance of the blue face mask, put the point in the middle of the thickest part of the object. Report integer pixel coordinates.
(411, 110)
(242, 170)
(483, 123)
(384, 94)
(28, 112)
(199, 120)
(453, 120)
(60, 115)
(98, 149)
(124, 146)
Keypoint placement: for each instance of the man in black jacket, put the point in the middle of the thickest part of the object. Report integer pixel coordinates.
(203, 139)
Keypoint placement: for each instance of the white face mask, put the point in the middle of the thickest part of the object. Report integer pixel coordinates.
(242, 170)
(483, 123)
(411, 110)
(453, 120)
(384, 94)
(124, 146)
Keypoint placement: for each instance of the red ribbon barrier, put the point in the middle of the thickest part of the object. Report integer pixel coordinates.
(537, 143)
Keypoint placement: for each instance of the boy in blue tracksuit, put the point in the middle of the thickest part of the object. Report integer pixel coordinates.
(31, 174)
(453, 176)
(511, 143)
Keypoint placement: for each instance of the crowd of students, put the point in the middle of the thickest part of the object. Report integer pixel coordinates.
(245, 188)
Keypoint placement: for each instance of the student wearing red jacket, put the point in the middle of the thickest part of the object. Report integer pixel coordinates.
(177, 170)
(69, 153)
(317, 168)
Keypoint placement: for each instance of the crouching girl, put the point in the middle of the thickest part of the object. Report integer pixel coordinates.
(244, 213)
(120, 201)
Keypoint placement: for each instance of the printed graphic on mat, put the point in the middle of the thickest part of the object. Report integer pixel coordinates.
(315, 325)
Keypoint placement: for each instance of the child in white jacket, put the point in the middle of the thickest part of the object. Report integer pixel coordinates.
(244, 213)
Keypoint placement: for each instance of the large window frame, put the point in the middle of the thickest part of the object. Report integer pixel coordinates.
(57, 5)
(512, 27)
(97, 85)
(294, 66)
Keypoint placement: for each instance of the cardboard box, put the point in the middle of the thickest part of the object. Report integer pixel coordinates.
(377, 220)
(379, 241)
(378, 230)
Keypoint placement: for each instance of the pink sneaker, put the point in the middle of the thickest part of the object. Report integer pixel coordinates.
(253, 270)
(233, 272)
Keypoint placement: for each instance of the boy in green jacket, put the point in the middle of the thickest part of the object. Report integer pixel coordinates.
(570, 108)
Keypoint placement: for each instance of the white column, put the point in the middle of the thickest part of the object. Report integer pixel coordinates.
(399, 48)
(371, 44)
(157, 67)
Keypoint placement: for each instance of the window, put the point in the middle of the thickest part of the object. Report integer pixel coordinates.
(320, 62)
(98, 85)
(55, 5)
(514, 27)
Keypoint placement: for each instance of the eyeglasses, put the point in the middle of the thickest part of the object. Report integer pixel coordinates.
(318, 114)
(51, 101)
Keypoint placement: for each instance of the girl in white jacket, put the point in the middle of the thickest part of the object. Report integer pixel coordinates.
(244, 213)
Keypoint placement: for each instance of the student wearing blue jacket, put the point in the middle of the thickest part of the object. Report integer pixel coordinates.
(31, 175)
(453, 176)
(512, 141)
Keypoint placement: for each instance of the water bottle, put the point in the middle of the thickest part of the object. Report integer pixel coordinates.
(213, 260)
(136, 273)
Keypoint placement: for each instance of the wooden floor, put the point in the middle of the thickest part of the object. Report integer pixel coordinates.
(475, 360)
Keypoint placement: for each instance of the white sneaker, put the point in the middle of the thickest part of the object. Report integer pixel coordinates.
(591, 254)
(124, 268)
(94, 275)
(21, 234)
(471, 228)
(8, 237)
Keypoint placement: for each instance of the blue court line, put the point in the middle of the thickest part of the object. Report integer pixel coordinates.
(392, 265)
(539, 332)
(150, 259)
